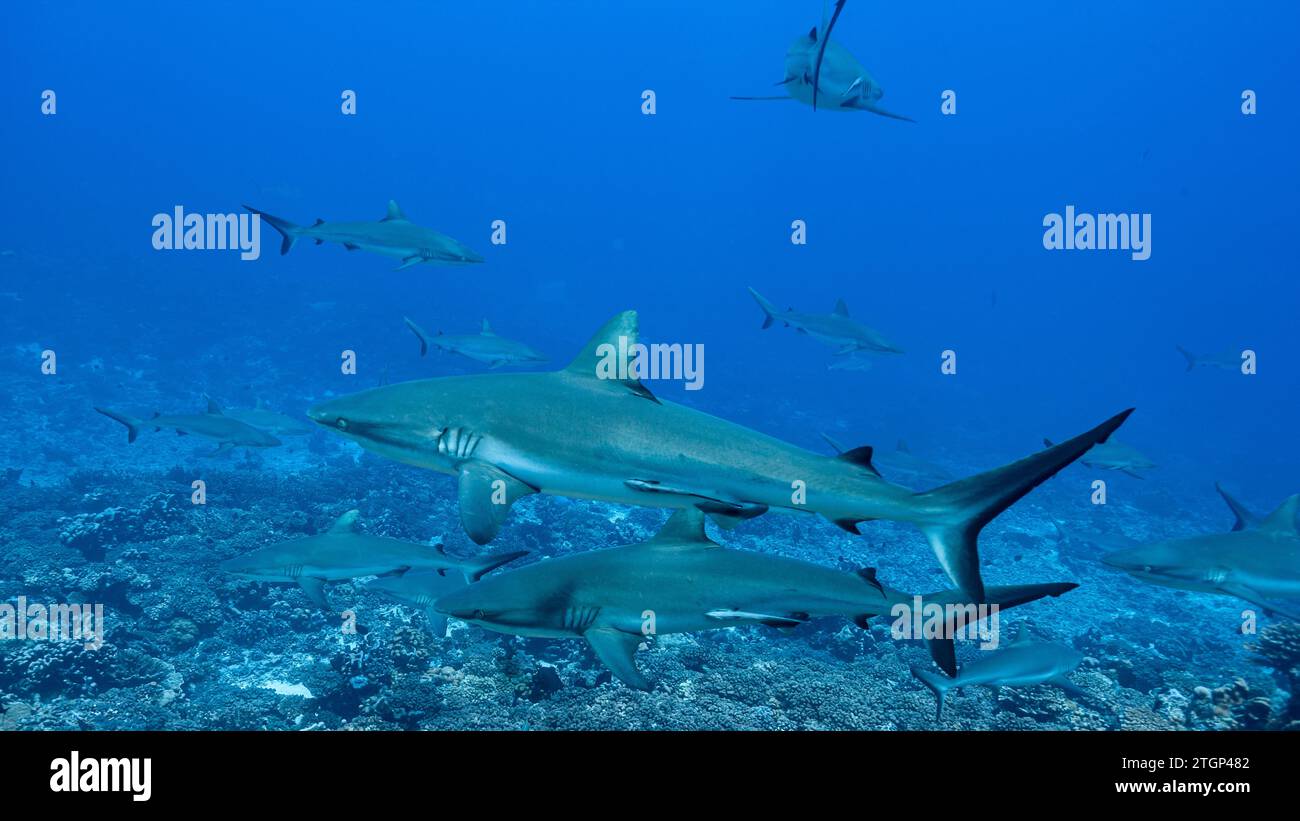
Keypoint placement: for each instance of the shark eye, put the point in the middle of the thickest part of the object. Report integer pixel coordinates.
(341, 423)
(478, 615)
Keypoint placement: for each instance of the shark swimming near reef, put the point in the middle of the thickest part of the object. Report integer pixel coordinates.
(823, 74)
(225, 431)
(485, 346)
(1228, 360)
(343, 552)
(1115, 455)
(836, 328)
(263, 418)
(681, 581)
(1022, 663)
(1258, 561)
(392, 236)
(420, 590)
(594, 431)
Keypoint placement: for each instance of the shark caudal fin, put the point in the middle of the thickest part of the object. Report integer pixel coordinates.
(943, 650)
(938, 685)
(132, 424)
(1245, 519)
(419, 334)
(770, 311)
(952, 516)
(480, 566)
(287, 229)
(1188, 355)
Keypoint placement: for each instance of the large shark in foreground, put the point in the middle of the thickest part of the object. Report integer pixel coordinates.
(584, 432)
(681, 581)
(485, 346)
(836, 328)
(1022, 663)
(343, 552)
(1258, 561)
(226, 432)
(1115, 455)
(823, 74)
(393, 236)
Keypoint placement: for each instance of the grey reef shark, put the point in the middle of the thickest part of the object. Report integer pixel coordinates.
(594, 431)
(1115, 455)
(263, 418)
(822, 73)
(681, 581)
(392, 236)
(420, 589)
(343, 552)
(225, 431)
(1228, 360)
(837, 328)
(1022, 663)
(1258, 561)
(485, 346)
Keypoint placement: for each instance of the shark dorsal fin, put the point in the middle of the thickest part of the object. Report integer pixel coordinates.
(686, 525)
(487, 329)
(902, 447)
(213, 407)
(841, 309)
(1282, 520)
(347, 523)
(860, 457)
(1023, 635)
(394, 213)
(607, 357)
(1245, 519)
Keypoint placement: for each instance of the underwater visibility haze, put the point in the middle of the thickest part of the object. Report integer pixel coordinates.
(771, 365)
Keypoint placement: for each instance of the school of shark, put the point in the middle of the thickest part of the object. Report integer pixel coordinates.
(624, 544)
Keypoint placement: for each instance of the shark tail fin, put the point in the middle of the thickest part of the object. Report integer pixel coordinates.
(943, 650)
(480, 567)
(937, 684)
(951, 516)
(1245, 519)
(287, 229)
(132, 424)
(419, 334)
(769, 310)
(1188, 355)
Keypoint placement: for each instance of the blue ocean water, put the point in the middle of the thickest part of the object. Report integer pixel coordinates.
(532, 114)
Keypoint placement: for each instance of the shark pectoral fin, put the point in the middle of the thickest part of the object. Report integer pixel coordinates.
(882, 112)
(315, 590)
(1253, 596)
(408, 262)
(1131, 473)
(486, 493)
(788, 620)
(435, 622)
(351, 246)
(617, 651)
(1069, 687)
(727, 515)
